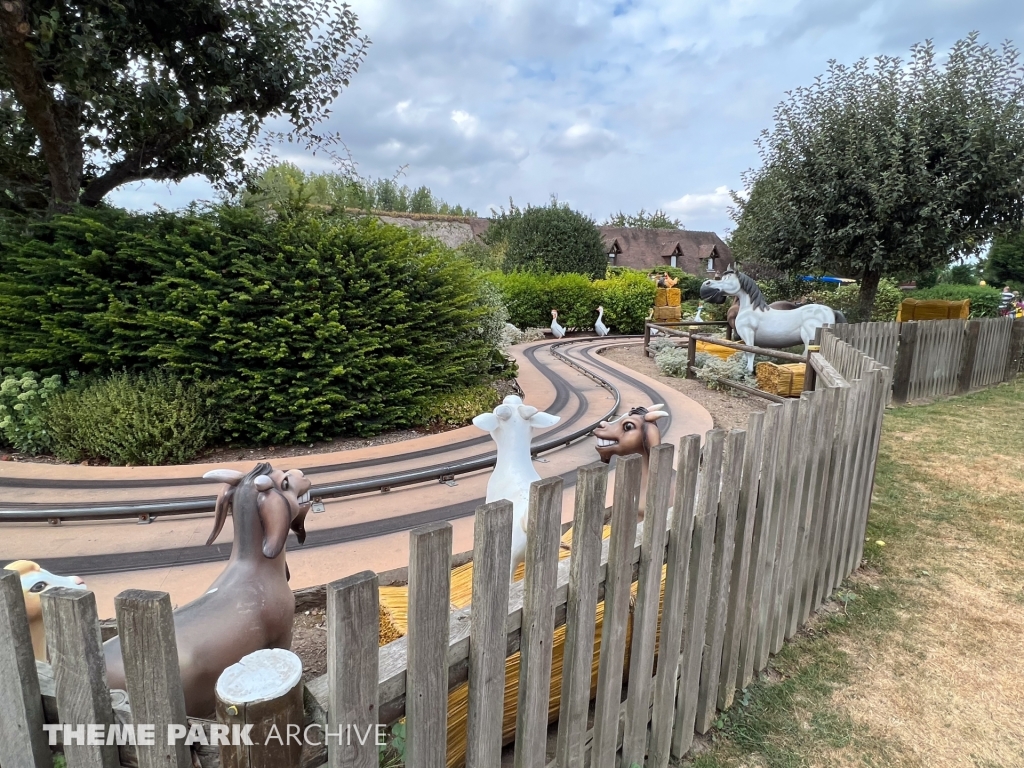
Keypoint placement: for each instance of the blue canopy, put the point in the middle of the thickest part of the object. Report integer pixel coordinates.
(839, 280)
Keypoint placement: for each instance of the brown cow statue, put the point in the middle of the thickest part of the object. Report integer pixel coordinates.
(635, 432)
(250, 606)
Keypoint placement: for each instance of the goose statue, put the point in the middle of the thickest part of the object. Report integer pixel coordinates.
(700, 308)
(556, 330)
(599, 327)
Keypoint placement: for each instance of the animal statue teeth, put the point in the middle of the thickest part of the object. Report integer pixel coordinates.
(605, 443)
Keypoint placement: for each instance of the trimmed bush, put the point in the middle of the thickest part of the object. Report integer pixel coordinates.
(985, 299)
(455, 409)
(24, 397)
(153, 418)
(552, 238)
(627, 300)
(310, 326)
(846, 299)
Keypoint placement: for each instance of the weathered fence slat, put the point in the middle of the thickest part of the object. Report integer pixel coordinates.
(145, 624)
(79, 672)
(969, 359)
(758, 545)
(492, 556)
(721, 565)
(836, 470)
(1015, 351)
(616, 611)
(878, 380)
(544, 519)
(580, 618)
(673, 612)
(774, 522)
(22, 740)
(426, 706)
(353, 605)
(791, 519)
(904, 362)
(648, 598)
(699, 580)
(735, 626)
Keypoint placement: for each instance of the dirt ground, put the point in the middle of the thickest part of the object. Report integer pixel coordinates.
(728, 408)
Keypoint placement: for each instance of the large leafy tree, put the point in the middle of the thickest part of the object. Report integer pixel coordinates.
(1005, 263)
(99, 93)
(889, 167)
(644, 220)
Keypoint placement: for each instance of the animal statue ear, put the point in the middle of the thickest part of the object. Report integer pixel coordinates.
(276, 519)
(542, 420)
(221, 510)
(21, 567)
(229, 476)
(654, 415)
(488, 422)
(527, 411)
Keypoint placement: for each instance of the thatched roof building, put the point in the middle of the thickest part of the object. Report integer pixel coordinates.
(695, 252)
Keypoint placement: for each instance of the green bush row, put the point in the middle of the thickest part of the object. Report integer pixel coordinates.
(627, 297)
(152, 418)
(309, 326)
(984, 299)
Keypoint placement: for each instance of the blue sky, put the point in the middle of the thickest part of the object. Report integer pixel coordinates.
(617, 104)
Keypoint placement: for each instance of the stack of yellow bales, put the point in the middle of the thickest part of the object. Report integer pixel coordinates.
(715, 349)
(666, 305)
(782, 380)
(394, 604)
(933, 309)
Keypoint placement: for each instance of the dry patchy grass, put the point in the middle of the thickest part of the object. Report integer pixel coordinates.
(923, 665)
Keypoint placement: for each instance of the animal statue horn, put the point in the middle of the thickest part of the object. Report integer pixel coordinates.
(250, 605)
(511, 425)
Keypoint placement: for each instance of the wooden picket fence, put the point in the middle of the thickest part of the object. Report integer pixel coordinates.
(767, 522)
(936, 358)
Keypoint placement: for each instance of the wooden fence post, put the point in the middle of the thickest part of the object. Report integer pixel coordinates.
(145, 625)
(263, 692)
(645, 616)
(673, 613)
(353, 606)
(721, 566)
(968, 356)
(691, 357)
(580, 616)
(699, 579)
(904, 362)
(539, 583)
(79, 673)
(22, 740)
(616, 611)
(426, 699)
(1015, 351)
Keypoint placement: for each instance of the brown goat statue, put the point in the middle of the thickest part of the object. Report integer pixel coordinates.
(250, 606)
(635, 432)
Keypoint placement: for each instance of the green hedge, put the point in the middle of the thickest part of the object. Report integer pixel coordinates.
(846, 299)
(626, 295)
(310, 327)
(984, 299)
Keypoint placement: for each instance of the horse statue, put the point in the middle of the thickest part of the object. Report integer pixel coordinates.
(760, 325)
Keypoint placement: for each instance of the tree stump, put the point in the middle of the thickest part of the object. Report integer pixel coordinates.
(264, 691)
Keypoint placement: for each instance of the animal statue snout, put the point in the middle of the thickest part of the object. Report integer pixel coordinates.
(34, 581)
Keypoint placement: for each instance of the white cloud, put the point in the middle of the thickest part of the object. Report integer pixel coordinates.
(465, 122)
(701, 206)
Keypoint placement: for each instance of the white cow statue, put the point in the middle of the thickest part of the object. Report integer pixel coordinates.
(511, 424)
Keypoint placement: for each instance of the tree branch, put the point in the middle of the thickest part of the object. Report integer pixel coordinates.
(132, 168)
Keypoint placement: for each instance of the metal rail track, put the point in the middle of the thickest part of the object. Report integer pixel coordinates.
(148, 511)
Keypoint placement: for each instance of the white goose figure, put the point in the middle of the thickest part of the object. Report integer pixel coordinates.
(599, 327)
(700, 308)
(556, 330)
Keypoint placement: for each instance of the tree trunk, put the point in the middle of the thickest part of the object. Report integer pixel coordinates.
(868, 288)
(55, 122)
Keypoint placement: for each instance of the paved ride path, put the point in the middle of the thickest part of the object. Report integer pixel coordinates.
(354, 533)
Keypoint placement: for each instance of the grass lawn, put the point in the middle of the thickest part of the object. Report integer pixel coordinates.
(919, 658)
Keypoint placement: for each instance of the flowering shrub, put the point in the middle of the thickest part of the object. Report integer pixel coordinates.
(23, 401)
